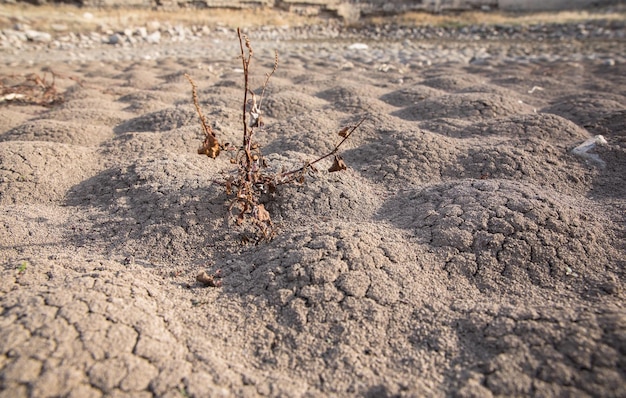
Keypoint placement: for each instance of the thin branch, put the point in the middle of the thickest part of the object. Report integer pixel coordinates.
(267, 78)
(331, 153)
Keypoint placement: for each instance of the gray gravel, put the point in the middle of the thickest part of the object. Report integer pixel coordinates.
(387, 47)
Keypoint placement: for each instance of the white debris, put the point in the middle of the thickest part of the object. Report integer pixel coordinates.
(584, 148)
(358, 46)
(11, 97)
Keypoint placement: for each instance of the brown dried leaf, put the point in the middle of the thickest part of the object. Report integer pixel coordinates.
(210, 147)
(338, 164)
(229, 186)
(262, 214)
(208, 280)
(344, 131)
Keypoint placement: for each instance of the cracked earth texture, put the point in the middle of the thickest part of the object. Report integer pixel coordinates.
(465, 252)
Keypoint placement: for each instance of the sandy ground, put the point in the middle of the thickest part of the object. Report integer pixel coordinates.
(465, 252)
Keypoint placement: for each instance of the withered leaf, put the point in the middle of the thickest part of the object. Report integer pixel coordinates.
(338, 164)
(229, 186)
(262, 214)
(210, 147)
(344, 131)
(208, 280)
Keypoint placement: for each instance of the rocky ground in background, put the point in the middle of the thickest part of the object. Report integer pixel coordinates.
(408, 46)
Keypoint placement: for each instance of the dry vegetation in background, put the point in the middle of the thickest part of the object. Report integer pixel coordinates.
(32, 89)
(49, 17)
(252, 182)
(498, 18)
(45, 17)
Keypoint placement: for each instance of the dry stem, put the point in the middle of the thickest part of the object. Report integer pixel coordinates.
(210, 145)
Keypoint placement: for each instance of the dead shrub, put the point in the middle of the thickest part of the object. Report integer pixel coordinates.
(252, 180)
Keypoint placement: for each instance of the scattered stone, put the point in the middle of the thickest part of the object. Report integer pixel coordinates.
(153, 38)
(114, 39)
(39, 37)
(403, 46)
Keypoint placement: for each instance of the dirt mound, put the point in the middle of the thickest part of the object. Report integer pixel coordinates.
(154, 208)
(106, 117)
(530, 160)
(163, 120)
(611, 125)
(10, 118)
(40, 172)
(342, 295)
(585, 109)
(57, 131)
(350, 98)
(286, 104)
(311, 133)
(338, 196)
(503, 235)
(90, 332)
(452, 82)
(540, 349)
(136, 145)
(411, 95)
(468, 106)
(540, 126)
(404, 157)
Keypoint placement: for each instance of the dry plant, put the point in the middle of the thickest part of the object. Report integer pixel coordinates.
(252, 180)
(43, 17)
(31, 89)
